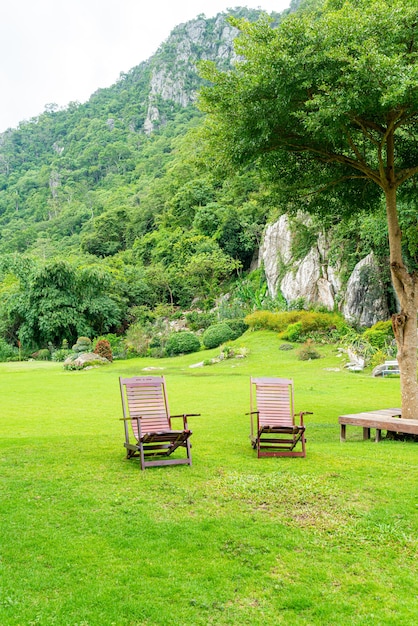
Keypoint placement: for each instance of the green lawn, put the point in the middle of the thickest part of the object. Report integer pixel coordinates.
(88, 539)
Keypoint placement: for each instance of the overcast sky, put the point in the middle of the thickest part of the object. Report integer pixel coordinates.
(60, 51)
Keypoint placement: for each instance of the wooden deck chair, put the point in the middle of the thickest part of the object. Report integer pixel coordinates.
(273, 428)
(145, 409)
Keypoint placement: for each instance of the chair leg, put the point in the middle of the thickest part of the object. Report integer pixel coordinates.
(141, 455)
(189, 451)
(303, 445)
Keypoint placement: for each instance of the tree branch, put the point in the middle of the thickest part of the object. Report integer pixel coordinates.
(403, 175)
(330, 157)
(334, 183)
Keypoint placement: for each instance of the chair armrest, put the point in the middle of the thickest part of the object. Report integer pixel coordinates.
(301, 414)
(184, 416)
(130, 419)
(252, 413)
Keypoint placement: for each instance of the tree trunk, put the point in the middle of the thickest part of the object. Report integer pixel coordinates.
(405, 322)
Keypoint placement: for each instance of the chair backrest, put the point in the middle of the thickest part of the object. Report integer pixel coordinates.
(145, 397)
(273, 399)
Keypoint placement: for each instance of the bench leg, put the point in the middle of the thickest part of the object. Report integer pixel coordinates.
(378, 435)
(366, 433)
(342, 432)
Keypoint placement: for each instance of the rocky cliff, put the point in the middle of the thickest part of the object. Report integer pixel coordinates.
(362, 299)
(174, 76)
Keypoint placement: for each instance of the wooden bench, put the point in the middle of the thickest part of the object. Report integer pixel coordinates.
(384, 419)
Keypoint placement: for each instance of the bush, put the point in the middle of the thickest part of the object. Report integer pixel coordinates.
(308, 352)
(378, 358)
(217, 334)
(310, 321)
(379, 335)
(182, 342)
(117, 344)
(238, 327)
(7, 352)
(293, 332)
(376, 338)
(137, 341)
(103, 349)
(198, 320)
(61, 354)
(83, 345)
(268, 320)
(43, 355)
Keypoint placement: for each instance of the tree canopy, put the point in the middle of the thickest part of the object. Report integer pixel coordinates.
(328, 102)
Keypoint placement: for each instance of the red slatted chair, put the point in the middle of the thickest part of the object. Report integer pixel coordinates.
(145, 407)
(273, 428)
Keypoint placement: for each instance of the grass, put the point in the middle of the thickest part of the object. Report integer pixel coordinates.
(87, 539)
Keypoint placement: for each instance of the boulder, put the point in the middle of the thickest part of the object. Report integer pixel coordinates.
(84, 358)
(364, 299)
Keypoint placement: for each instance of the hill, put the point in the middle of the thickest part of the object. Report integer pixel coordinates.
(112, 206)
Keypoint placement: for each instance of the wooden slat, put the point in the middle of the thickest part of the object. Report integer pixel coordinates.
(274, 401)
(146, 400)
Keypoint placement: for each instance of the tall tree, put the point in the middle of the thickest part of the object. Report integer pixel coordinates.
(58, 301)
(329, 99)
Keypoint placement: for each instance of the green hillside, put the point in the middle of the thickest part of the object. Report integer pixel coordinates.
(117, 205)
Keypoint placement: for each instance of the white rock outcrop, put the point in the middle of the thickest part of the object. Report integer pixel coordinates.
(311, 278)
(364, 298)
(314, 279)
(191, 43)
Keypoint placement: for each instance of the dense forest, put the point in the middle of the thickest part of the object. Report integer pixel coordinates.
(114, 209)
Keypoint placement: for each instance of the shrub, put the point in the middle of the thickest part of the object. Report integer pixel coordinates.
(316, 321)
(137, 341)
(308, 352)
(117, 344)
(198, 320)
(61, 354)
(286, 346)
(217, 334)
(237, 326)
(43, 355)
(310, 321)
(376, 338)
(83, 345)
(7, 352)
(182, 342)
(386, 326)
(378, 358)
(299, 304)
(293, 332)
(379, 334)
(103, 349)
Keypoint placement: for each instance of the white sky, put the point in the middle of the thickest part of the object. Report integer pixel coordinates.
(59, 51)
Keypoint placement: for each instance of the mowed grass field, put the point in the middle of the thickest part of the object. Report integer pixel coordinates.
(88, 539)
